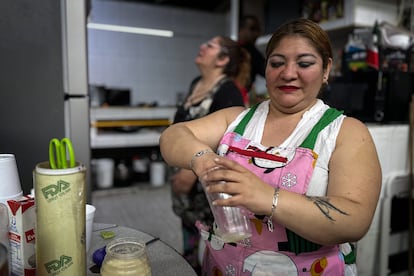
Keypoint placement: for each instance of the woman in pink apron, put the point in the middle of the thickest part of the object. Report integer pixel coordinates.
(287, 252)
(307, 176)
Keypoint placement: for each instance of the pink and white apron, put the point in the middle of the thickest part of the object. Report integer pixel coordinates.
(281, 252)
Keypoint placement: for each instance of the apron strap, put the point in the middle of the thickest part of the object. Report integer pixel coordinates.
(328, 117)
(296, 243)
(243, 123)
(350, 258)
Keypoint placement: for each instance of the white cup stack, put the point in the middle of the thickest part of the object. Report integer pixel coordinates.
(90, 214)
(10, 187)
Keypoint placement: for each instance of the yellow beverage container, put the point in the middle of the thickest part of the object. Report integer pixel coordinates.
(60, 221)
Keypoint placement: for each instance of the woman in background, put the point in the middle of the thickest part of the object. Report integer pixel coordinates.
(224, 72)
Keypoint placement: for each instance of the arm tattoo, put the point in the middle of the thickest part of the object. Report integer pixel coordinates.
(325, 206)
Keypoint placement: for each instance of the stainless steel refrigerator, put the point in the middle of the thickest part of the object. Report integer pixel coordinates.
(43, 81)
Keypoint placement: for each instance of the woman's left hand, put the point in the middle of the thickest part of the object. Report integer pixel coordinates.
(246, 188)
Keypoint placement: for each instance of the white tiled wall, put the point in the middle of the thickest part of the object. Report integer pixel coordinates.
(153, 68)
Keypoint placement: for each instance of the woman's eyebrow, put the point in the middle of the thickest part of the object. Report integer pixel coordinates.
(299, 56)
(307, 55)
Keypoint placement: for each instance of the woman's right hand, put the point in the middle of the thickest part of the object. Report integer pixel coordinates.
(183, 181)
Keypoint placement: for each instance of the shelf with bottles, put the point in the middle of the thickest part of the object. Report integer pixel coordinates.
(355, 14)
(363, 13)
(383, 47)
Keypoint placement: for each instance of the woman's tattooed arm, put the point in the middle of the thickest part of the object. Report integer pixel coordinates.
(325, 206)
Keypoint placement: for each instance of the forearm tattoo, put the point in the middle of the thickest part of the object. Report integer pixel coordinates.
(325, 206)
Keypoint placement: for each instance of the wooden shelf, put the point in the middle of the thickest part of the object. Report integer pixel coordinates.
(151, 120)
(132, 113)
(125, 123)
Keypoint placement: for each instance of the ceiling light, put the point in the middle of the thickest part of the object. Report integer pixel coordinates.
(133, 30)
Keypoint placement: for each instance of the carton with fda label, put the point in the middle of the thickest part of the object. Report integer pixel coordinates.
(22, 216)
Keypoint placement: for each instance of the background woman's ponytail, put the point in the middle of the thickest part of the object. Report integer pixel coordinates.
(238, 67)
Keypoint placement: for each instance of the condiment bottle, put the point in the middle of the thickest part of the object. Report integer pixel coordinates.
(126, 256)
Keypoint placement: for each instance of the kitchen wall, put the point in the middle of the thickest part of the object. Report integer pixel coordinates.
(154, 68)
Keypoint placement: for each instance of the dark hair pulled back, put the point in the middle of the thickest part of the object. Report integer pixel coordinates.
(238, 67)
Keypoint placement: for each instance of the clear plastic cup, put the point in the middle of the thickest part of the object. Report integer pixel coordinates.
(231, 223)
(11, 187)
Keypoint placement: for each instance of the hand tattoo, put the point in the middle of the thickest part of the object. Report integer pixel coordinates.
(325, 206)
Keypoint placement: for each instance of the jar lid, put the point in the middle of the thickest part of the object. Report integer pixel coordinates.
(125, 248)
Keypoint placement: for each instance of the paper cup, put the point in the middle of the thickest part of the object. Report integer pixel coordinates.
(90, 213)
(10, 181)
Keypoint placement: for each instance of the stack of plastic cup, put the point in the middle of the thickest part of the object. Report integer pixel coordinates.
(10, 187)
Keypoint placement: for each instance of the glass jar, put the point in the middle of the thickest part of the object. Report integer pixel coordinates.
(125, 256)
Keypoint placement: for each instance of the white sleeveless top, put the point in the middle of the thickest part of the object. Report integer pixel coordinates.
(324, 146)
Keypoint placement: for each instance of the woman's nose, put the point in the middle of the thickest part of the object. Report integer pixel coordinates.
(289, 71)
(204, 45)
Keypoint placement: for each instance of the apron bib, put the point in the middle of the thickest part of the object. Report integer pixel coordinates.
(281, 252)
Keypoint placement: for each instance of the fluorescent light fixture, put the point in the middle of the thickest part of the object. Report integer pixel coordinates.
(133, 30)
